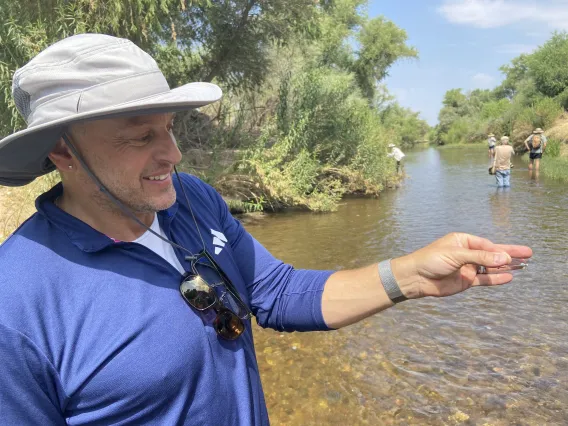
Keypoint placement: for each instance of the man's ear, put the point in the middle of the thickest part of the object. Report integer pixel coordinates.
(61, 157)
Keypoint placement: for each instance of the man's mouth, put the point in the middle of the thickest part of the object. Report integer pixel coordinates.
(158, 177)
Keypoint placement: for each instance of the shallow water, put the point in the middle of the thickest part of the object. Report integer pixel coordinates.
(487, 357)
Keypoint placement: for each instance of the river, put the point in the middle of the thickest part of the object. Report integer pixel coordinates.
(490, 356)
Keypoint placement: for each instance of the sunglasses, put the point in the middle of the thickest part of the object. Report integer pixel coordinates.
(203, 291)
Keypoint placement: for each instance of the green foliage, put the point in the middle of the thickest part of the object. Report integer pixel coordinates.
(546, 110)
(330, 140)
(407, 128)
(495, 109)
(547, 66)
(457, 132)
(553, 147)
(381, 44)
(554, 168)
(516, 72)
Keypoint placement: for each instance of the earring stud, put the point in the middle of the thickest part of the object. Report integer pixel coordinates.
(70, 166)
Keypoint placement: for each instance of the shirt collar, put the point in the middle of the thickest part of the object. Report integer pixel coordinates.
(82, 235)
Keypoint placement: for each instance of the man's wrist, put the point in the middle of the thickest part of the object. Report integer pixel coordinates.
(408, 280)
(390, 283)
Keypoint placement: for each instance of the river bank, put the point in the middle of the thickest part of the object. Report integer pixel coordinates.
(243, 194)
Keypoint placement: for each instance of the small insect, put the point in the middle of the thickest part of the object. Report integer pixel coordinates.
(515, 265)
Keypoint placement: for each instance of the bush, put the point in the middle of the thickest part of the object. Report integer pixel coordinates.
(553, 147)
(546, 111)
(457, 133)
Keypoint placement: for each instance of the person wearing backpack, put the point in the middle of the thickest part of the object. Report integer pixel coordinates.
(535, 144)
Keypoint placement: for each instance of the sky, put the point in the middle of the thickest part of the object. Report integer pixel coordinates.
(462, 43)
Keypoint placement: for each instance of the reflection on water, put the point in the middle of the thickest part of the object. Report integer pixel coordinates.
(488, 357)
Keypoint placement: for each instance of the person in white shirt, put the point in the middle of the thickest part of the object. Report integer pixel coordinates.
(491, 142)
(397, 154)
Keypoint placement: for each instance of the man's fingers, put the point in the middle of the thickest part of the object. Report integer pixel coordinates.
(480, 257)
(514, 251)
(477, 243)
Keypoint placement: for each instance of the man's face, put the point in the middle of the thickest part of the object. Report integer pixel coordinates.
(133, 157)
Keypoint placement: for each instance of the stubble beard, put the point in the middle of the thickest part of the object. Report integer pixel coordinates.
(133, 199)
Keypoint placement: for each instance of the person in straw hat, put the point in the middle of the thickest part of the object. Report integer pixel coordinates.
(535, 144)
(127, 297)
(491, 142)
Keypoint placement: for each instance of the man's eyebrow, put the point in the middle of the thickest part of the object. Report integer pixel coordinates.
(139, 120)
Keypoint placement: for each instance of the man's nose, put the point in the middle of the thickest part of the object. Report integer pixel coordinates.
(169, 150)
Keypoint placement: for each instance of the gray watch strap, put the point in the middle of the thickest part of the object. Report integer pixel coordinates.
(389, 282)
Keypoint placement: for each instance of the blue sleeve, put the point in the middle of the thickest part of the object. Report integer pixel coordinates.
(30, 389)
(281, 297)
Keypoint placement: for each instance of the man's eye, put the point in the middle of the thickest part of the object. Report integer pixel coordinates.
(144, 138)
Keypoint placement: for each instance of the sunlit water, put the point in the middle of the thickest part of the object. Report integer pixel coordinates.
(494, 356)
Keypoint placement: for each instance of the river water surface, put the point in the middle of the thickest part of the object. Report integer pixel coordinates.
(490, 356)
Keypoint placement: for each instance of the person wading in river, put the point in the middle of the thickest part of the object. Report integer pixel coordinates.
(502, 162)
(397, 154)
(535, 144)
(491, 142)
(127, 298)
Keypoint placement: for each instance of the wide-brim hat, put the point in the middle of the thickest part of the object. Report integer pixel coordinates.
(85, 77)
(490, 135)
(391, 145)
(538, 130)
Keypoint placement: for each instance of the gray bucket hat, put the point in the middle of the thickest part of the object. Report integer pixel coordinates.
(85, 77)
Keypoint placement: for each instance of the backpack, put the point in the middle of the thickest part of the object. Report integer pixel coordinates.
(536, 140)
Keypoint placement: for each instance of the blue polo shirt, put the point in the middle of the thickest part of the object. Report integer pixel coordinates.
(94, 331)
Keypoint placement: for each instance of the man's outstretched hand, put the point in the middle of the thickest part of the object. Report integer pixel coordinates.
(449, 265)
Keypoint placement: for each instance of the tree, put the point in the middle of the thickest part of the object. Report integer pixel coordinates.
(514, 75)
(233, 38)
(225, 41)
(381, 44)
(547, 65)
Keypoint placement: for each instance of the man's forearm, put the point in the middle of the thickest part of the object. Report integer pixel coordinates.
(353, 295)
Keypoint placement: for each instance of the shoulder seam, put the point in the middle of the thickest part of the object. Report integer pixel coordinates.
(36, 347)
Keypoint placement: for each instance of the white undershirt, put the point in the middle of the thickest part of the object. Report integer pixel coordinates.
(158, 246)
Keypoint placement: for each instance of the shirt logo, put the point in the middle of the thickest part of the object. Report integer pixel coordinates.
(219, 241)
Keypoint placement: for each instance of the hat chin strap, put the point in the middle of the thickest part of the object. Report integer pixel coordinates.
(121, 205)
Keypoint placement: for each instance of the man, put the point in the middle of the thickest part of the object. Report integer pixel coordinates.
(535, 144)
(502, 163)
(125, 299)
(397, 154)
(491, 142)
